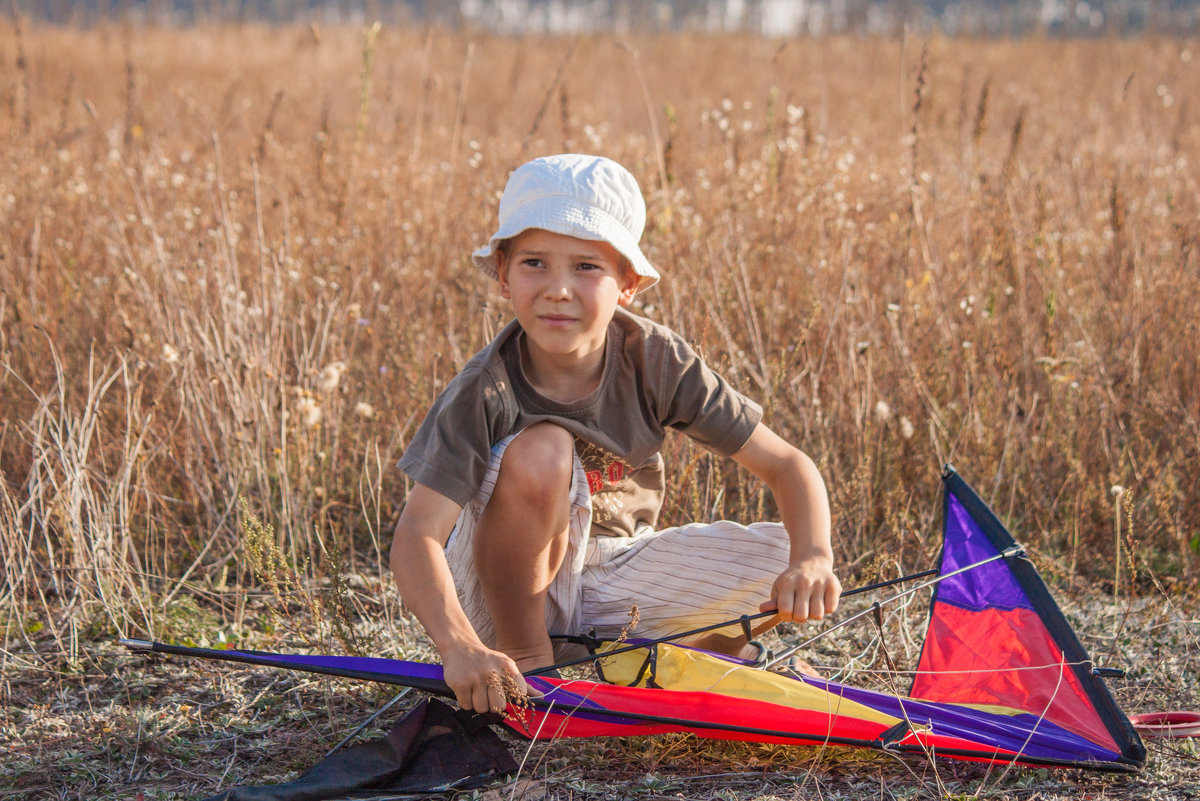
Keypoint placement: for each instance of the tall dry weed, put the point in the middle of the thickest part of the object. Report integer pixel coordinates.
(241, 271)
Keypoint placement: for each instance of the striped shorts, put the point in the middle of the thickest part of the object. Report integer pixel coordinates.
(678, 578)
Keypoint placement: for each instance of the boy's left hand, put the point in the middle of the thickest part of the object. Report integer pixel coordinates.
(805, 591)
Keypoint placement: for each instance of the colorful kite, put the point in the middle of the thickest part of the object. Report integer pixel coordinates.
(1002, 678)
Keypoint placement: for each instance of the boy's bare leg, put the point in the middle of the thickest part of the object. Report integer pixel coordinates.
(521, 539)
(737, 645)
(732, 645)
(723, 641)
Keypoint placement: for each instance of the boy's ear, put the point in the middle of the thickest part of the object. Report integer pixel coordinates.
(627, 292)
(502, 274)
(629, 288)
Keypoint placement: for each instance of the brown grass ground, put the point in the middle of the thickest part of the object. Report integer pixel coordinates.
(233, 265)
(175, 728)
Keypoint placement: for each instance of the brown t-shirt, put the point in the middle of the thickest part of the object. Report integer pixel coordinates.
(652, 380)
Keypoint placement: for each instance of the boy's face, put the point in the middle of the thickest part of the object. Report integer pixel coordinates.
(564, 290)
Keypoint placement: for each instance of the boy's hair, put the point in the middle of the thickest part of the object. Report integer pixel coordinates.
(503, 247)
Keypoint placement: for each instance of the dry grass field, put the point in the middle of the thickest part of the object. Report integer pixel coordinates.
(234, 273)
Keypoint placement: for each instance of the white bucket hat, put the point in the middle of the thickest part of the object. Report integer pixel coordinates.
(587, 197)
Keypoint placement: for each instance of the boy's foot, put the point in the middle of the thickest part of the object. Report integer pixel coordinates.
(754, 652)
(759, 655)
(798, 665)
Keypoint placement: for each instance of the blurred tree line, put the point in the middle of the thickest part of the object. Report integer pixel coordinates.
(768, 17)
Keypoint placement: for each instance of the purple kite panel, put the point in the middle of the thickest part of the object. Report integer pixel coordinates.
(1024, 733)
(987, 586)
(366, 664)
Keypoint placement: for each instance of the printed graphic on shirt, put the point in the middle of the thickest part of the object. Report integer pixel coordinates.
(605, 472)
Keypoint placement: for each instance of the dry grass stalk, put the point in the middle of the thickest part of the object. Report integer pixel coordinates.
(198, 314)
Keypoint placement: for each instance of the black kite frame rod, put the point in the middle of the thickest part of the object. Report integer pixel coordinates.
(1007, 553)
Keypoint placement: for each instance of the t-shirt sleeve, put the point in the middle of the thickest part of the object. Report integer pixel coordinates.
(698, 401)
(451, 449)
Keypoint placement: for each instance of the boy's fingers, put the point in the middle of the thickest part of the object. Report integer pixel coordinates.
(785, 604)
(479, 699)
(806, 602)
(816, 607)
(496, 698)
(833, 592)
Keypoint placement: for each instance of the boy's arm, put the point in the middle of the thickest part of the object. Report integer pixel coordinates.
(418, 561)
(808, 588)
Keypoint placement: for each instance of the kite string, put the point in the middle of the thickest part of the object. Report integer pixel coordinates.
(1014, 550)
(1033, 729)
(968, 672)
(1055, 666)
(532, 740)
(1008, 552)
(743, 620)
(857, 663)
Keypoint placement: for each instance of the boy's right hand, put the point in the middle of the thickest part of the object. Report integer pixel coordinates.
(478, 676)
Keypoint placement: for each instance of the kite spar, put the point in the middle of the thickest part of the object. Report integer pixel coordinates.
(1002, 677)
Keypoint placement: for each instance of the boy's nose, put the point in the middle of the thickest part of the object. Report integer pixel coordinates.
(558, 288)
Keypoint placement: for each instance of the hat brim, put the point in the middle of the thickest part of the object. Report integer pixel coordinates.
(569, 217)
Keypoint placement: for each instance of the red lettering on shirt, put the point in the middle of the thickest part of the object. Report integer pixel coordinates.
(604, 477)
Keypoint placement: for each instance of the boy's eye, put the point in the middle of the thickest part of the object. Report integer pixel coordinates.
(587, 265)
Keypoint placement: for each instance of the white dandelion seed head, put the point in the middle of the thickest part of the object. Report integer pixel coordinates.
(364, 410)
(309, 411)
(906, 428)
(331, 376)
(883, 412)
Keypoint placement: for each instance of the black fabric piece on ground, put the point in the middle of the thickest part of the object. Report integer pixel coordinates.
(432, 749)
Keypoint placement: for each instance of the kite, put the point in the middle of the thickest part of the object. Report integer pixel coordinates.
(1002, 678)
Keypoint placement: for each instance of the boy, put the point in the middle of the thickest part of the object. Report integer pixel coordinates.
(540, 459)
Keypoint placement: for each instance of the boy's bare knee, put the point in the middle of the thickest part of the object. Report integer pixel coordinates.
(537, 464)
